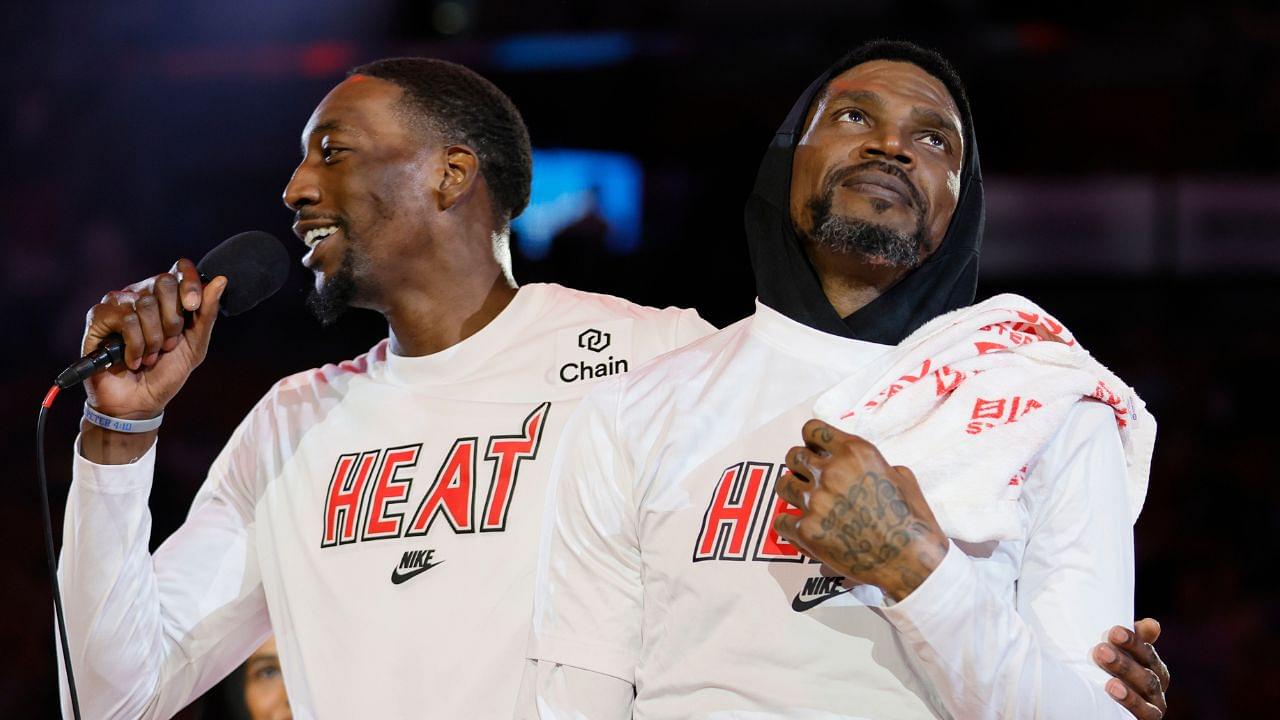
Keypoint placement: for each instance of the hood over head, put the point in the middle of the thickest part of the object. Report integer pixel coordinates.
(785, 279)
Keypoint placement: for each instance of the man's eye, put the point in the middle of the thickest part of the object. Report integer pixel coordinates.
(936, 140)
(328, 152)
(852, 116)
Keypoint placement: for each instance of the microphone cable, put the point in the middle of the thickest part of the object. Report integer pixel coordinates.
(48, 546)
(256, 265)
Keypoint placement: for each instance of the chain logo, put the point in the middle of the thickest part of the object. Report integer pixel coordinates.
(594, 340)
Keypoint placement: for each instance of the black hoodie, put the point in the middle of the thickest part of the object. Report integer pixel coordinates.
(787, 282)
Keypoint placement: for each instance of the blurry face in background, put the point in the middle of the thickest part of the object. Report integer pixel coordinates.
(877, 171)
(264, 694)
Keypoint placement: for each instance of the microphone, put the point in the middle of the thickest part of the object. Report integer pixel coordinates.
(255, 265)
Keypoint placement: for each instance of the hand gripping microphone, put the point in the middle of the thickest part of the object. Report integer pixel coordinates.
(255, 265)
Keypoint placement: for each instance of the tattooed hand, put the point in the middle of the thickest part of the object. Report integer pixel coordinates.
(859, 516)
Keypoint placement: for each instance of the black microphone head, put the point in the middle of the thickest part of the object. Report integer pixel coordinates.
(255, 265)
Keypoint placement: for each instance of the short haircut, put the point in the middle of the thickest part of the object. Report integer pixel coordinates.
(903, 51)
(463, 108)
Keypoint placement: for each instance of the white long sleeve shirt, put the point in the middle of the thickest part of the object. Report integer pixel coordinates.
(380, 516)
(659, 568)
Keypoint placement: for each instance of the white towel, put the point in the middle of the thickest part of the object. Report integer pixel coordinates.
(969, 401)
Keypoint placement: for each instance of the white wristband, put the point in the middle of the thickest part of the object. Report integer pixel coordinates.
(118, 425)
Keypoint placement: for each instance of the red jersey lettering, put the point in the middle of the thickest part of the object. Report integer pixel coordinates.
(388, 489)
(453, 492)
(729, 520)
(772, 546)
(346, 491)
(506, 453)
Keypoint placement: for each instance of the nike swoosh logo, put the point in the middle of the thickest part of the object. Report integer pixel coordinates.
(800, 605)
(398, 577)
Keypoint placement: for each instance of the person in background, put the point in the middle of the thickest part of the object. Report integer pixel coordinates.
(264, 693)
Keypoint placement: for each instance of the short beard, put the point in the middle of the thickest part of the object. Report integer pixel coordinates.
(330, 301)
(878, 244)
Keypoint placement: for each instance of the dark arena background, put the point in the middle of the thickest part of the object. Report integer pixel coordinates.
(1132, 157)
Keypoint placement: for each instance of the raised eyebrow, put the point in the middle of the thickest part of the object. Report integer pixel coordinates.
(933, 118)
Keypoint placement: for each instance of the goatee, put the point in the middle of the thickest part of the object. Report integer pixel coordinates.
(330, 301)
(879, 244)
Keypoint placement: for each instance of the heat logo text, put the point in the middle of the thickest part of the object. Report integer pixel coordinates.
(738, 523)
(368, 489)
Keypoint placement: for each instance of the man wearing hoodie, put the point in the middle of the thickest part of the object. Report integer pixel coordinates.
(673, 583)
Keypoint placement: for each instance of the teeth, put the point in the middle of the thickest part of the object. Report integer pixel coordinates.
(314, 236)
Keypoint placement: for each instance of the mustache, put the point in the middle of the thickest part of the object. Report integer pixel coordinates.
(840, 175)
(303, 216)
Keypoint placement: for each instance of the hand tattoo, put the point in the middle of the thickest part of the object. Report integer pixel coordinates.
(873, 525)
(861, 516)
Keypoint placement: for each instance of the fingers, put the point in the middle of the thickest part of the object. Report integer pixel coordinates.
(169, 317)
(1142, 653)
(1148, 632)
(787, 526)
(1135, 686)
(190, 288)
(793, 490)
(1148, 629)
(802, 462)
(147, 308)
(204, 317)
(821, 436)
(1132, 702)
(115, 316)
(172, 318)
(149, 315)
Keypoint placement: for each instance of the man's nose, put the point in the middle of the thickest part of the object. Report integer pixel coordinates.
(302, 189)
(887, 144)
